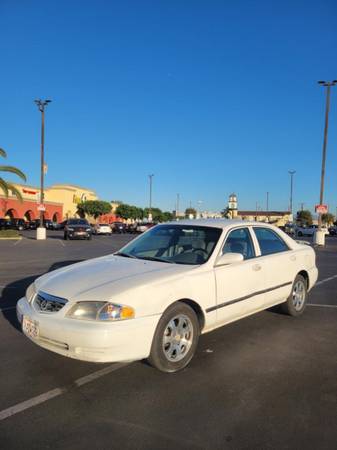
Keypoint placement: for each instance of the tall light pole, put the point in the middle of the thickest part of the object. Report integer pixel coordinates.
(177, 206)
(150, 205)
(41, 231)
(328, 85)
(291, 172)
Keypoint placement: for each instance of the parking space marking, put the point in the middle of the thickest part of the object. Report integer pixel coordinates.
(7, 308)
(34, 401)
(322, 306)
(17, 242)
(62, 243)
(325, 280)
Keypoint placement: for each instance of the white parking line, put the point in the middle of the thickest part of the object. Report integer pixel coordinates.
(17, 242)
(34, 401)
(322, 306)
(62, 243)
(325, 280)
(7, 308)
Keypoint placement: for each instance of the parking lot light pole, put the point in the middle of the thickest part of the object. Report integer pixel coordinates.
(291, 172)
(328, 85)
(41, 231)
(150, 205)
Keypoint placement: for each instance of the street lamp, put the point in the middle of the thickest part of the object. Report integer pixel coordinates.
(291, 172)
(150, 208)
(41, 231)
(320, 237)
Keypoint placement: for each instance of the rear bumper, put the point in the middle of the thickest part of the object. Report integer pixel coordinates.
(91, 341)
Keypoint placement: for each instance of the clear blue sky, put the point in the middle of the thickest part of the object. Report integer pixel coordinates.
(210, 96)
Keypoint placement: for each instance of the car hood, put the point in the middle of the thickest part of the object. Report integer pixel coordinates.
(105, 277)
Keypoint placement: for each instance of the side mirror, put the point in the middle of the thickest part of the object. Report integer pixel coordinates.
(229, 258)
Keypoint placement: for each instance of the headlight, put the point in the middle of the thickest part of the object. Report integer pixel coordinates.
(101, 311)
(70, 229)
(88, 229)
(30, 292)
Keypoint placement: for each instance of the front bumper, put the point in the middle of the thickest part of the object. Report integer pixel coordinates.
(78, 235)
(91, 341)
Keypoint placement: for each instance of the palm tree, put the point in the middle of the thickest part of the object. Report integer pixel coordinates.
(5, 186)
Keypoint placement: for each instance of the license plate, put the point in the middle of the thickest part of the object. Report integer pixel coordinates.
(30, 327)
(80, 232)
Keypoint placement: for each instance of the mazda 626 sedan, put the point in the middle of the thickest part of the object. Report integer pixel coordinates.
(154, 297)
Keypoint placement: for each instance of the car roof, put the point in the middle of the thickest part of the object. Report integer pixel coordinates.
(217, 223)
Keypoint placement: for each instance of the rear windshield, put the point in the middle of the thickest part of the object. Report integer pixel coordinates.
(77, 222)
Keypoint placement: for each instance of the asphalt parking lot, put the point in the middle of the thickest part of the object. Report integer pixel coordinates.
(265, 382)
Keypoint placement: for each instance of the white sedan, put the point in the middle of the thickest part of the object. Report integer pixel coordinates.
(154, 297)
(102, 228)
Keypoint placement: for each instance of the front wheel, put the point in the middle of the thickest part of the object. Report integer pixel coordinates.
(296, 302)
(175, 339)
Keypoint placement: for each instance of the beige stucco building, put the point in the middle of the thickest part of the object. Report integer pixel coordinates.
(70, 196)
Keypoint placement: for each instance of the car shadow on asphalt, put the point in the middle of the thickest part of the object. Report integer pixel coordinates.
(15, 290)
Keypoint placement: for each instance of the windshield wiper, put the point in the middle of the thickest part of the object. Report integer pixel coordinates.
(154, 258)
(126, 255)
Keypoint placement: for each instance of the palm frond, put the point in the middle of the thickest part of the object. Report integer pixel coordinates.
(2, 152)
(4, 187)
(14, 170)
(15, 191)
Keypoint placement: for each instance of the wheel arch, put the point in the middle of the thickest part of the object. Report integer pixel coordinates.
(305, 275)
(196, 308)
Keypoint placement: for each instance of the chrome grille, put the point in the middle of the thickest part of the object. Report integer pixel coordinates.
(47, 303)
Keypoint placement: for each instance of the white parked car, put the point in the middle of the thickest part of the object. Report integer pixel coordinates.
(154, 297)
(310, 230)
(102, 228)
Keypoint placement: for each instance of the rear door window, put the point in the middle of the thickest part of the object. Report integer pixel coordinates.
(269, 241)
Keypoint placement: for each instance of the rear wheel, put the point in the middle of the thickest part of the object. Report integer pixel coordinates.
(300, 234)
(175, 339)
(296, 302)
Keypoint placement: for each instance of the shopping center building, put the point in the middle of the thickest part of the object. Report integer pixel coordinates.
(60, 202)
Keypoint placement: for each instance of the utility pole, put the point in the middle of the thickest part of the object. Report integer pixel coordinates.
(41, 231)
(291, 172)
(267, 202)
(302, 206)
(177, 207)
(328, 85)
(150, 204)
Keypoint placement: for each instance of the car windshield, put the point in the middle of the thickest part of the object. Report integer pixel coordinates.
(77, 222)
(176, 244)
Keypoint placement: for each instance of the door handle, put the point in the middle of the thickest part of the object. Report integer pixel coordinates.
(257, 267)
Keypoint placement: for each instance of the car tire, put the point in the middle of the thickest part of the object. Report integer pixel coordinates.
(297, 300)
(299, 234)
(65, 237)
(89, 238)
(170, 353)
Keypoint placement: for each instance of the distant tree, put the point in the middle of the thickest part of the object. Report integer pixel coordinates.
(5, 186)
(304, 217)
(189, 211)
(157, 214)
(126, 211)
(94, 208)
(328, 218)
(167, 216)
(226, 213)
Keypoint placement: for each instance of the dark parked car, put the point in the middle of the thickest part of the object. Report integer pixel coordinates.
(13, 224)
(77, 229)
(118, 227)
(333, 231)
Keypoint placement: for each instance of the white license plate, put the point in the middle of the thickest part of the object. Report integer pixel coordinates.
(80, 232)
(30, 327)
